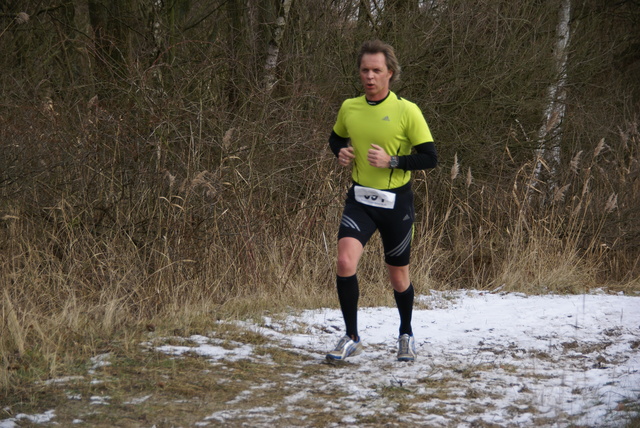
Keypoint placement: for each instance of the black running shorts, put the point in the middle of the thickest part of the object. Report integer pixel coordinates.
(395, 225)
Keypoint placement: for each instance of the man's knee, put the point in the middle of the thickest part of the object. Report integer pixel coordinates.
(346, 265)
(349, 252)
(399, 277)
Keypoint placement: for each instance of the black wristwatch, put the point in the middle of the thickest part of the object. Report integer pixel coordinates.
(394, 162)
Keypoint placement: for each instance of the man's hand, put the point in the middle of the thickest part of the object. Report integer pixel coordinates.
(377, 157)
(346, 156)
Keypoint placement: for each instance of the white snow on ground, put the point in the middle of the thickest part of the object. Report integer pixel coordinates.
(507, 359)
(484, 359)
(35, 419)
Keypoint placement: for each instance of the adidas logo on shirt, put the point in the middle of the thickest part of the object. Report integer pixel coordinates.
(386, 119)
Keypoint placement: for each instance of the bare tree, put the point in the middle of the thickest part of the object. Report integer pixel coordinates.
(273, 50)
(550, 133)
(235, 40)
(396, 14)
(365, 18)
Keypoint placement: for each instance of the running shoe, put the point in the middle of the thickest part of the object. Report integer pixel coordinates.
(406, 348)
(346, 347)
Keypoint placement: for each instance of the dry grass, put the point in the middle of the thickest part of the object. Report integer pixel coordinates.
(138, 197)
(80, 278)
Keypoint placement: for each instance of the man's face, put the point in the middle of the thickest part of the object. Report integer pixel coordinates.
(375, 76)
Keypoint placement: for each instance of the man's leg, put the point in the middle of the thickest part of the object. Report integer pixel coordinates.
(404, 295)
(349, 253)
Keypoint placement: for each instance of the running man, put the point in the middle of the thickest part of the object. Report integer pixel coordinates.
(382, 138)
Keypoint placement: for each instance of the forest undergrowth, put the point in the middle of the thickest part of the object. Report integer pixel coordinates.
(163, 187)
(99, 245)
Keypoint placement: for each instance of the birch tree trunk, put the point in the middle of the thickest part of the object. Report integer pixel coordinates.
(550, 133)
(273, 49)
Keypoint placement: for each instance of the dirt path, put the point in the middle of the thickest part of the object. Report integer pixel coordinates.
(484, 361)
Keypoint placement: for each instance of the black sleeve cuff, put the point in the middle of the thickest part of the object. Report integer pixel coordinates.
(337, 142)
(425, 157)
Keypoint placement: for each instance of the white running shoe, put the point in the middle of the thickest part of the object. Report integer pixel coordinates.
(406, 348)
(346, 347)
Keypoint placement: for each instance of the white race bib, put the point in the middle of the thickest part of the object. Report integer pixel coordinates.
(374, 197)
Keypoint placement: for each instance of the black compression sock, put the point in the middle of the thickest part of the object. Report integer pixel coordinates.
(348, 294)
(404, 301)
